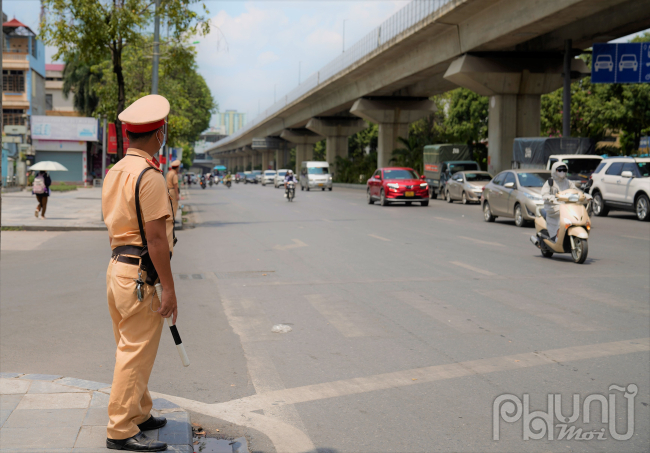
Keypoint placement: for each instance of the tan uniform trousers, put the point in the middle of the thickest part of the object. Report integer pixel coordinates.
(137, 332)
(174, 196)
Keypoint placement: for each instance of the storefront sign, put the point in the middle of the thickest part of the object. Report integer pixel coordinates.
(112, 139)
(59, 145)
(64, 128)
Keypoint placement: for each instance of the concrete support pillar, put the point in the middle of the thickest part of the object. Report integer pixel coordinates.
(304, 139)
(336, 130)
(248, 157)
(393, 115)
(265, 160)
(514, 86)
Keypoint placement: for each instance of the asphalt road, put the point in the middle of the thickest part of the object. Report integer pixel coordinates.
(407, 322)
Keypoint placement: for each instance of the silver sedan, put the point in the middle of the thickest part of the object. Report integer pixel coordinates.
(467, 186)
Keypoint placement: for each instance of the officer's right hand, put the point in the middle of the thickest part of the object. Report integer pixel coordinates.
(168, 307)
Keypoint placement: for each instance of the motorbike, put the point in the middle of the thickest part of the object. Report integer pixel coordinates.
(228, 183)
(291, 190)
(573, 233)
(202, 182)
(211, 182)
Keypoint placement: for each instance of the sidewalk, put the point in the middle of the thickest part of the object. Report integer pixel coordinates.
(74, 210)
(46, 413)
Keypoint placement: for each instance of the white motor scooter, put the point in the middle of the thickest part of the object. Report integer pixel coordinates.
(573, 233)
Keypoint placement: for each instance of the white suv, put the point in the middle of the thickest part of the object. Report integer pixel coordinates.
(622, 183)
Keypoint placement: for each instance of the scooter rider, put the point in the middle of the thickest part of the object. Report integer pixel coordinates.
(289, 177)
(558, 182)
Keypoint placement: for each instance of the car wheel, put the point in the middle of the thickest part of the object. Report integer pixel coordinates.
(382, 197)
(424, 203)
(323, 189)
(642, 206)
(431, 193)
(330, 189)
(370, 200)
(448, 197)
(599, 205)
(519, 216)
(464, 199)
(307, 188)
(487, 213)
(302, 188)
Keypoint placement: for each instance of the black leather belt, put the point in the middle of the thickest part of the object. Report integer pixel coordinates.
(127, 259)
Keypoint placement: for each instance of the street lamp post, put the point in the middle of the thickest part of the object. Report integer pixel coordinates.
(156, 49)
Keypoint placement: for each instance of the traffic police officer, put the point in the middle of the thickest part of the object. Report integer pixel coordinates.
(172, 185)
(136, 312)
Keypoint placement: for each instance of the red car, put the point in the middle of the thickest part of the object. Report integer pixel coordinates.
(397, 184)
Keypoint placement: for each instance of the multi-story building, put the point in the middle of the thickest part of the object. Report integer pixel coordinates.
(23, 74)
(231, 120)
(56, 103)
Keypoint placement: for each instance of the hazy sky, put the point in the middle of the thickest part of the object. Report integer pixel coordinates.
(261, 44)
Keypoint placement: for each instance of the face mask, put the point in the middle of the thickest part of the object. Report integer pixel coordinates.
(164, 141)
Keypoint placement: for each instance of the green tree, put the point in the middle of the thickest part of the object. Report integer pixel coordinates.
(81, 78)
(467, 119)
(410, 155)
(320, 150)
(93, 27)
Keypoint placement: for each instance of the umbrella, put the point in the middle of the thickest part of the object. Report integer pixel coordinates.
(219, 167)
(48, 165)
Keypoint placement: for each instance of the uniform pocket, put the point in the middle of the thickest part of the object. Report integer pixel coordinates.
(125, 270)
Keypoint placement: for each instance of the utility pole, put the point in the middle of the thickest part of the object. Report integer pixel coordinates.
(566, 95)
(156, 49)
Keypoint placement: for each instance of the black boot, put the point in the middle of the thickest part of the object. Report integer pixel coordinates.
(139, 442)
(153, 423)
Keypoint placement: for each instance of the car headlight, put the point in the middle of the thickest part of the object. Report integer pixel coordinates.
(424, 185)
(532, 197)
(392, 185)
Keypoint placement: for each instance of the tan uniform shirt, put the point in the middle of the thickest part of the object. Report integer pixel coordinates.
(172, 184)
(118, 200)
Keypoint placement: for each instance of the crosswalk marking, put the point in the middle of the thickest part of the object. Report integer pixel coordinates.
(444, 313)
(345, 316)
(534, 307)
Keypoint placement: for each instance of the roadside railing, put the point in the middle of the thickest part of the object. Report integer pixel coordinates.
(410, 16)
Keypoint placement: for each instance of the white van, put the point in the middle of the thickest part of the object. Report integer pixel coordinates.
(315, 175)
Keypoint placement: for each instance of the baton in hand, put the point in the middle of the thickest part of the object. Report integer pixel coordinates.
(177, 338)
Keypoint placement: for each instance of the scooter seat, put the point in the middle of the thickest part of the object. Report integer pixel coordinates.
(543, 213)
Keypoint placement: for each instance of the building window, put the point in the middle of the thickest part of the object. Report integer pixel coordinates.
(13, 117)
(49, 105)
(13, 81)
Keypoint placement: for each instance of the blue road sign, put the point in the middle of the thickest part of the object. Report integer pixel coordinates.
(621, 63)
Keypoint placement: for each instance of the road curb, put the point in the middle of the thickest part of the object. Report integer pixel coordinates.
(50, 228)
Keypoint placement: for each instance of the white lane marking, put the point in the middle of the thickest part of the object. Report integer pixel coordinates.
(444, 313)
(327, 220)
(480, 242)
(534, 307)
(25, 240)
(379, 237)
(609, 299)
(444, 218)
(282, 424)
(345, 316)
(416, 376)
(297, 243)
(472, 268)
(636, 237)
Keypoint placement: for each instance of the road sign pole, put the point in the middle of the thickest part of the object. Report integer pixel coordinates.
(566, 98)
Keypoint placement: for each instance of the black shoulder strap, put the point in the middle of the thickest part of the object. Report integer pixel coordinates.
(137, 205)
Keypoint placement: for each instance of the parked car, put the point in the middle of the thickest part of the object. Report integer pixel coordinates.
(315, 175)
(467, 186)
(258, 176)
(278, 181)
(397, 184)
(622, 183)
(604, 62)
(515, 194)
(268, 177)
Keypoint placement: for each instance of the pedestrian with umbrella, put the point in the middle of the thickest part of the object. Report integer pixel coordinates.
(42, 182)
